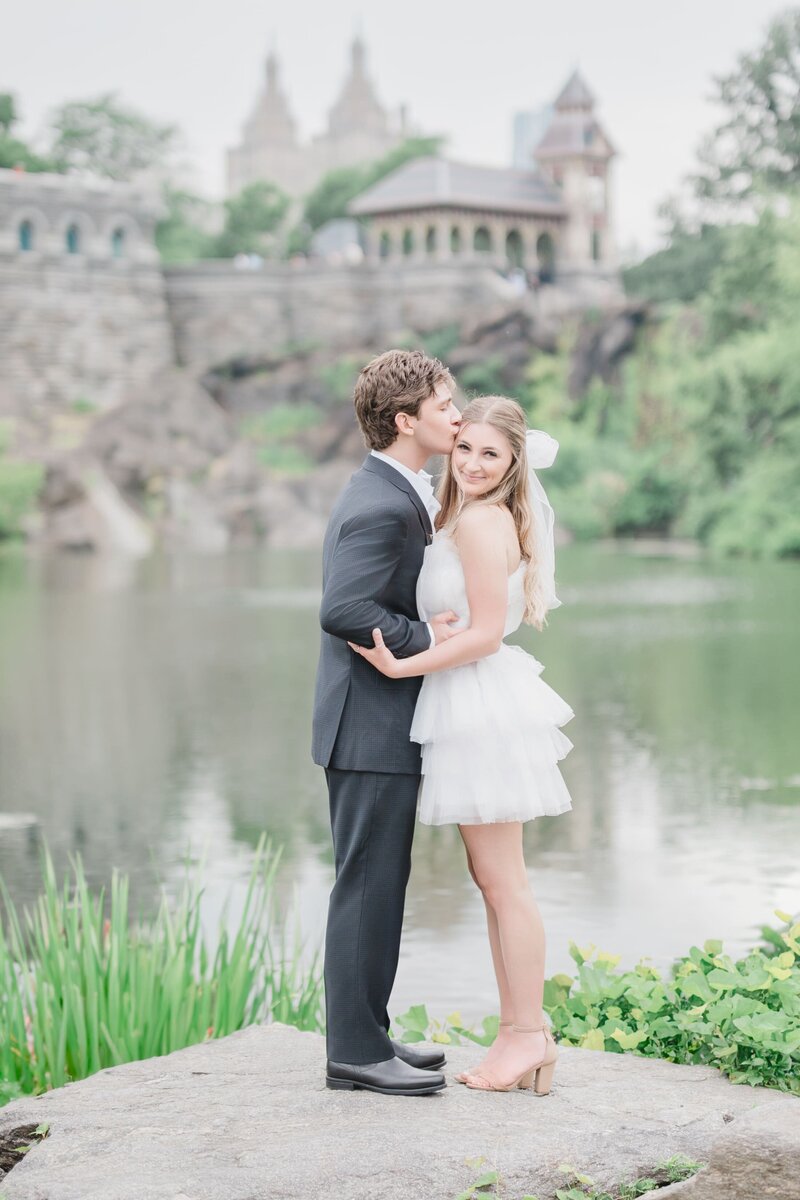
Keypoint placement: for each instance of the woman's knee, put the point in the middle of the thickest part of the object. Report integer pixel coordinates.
(499, 888)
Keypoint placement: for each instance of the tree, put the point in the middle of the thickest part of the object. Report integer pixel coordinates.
(682, 270)
(333, 193)
(107, 138)
(8, 113)
(180, 235)
(757, 147)
(250, 218)
(13, 152)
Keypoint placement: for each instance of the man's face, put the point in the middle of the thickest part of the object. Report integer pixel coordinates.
(436, 427)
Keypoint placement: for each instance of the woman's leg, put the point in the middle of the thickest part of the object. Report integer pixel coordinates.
(503, 990)
(506, 1011)
(496, 858)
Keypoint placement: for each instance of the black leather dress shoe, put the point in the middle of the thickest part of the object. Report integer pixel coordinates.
(392, 1078)
(427, 1060)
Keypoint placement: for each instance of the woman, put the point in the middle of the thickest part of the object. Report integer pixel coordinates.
(488, 725)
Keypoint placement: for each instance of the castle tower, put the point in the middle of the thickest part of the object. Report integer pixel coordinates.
(576, 153)
(269, 148)
(357, 110)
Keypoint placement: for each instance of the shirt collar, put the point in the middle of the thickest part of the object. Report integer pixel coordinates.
(421, 481)
(415, 477)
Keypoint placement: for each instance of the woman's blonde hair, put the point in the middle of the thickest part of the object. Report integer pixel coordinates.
(506, 417)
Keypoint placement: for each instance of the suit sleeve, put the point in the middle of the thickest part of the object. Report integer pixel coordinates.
(362, 565)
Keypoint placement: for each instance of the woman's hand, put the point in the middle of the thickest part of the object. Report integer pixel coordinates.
(380, 656)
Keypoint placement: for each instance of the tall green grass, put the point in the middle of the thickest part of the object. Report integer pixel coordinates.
(83, 986)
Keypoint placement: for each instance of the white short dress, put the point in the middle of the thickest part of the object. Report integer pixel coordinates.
(489, 730)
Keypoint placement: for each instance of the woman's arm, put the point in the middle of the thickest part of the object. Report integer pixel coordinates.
(482, 541)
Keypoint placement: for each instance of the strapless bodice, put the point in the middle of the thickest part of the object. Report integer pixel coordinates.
(441, 586)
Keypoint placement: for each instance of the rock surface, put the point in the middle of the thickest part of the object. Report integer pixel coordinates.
(249, 1118)
(758, 1156)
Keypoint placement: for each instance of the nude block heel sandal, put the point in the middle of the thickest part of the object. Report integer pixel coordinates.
(539, 1077)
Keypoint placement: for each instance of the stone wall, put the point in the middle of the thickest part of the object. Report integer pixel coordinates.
(83, 314)
(81, 333)
(218, 314)
(88, 317)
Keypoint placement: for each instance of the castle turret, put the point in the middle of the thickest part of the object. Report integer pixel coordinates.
(357, 110)
(576, 153)
(269, 148)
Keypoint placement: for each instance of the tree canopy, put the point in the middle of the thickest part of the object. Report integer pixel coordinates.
(333, 193)
(757, 146)
(250, 218)
(106, 137)
(13, 151)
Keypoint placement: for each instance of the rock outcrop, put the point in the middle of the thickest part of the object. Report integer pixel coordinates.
(248, 1117)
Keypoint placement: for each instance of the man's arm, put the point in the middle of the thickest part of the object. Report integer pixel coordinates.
(363, 562)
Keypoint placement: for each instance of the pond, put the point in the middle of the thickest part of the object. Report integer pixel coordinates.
(159, 710)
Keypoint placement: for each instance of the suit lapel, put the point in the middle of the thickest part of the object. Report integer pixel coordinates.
(378, 467)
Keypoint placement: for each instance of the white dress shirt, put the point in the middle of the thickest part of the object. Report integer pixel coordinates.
(423, 486)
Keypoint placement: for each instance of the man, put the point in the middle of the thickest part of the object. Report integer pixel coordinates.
(372, 555)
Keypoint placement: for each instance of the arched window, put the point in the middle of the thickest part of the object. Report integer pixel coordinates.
(515, 251)
(455, 240)
(26, 235)
(73, 239)
(546, 257)
(118, 243)
(385, 245)
(482, 241)
(408, 242)
(430, 240)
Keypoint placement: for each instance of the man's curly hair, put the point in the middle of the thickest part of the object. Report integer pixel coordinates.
(396, 381)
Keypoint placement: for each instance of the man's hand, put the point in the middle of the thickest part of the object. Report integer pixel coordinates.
(441, 628)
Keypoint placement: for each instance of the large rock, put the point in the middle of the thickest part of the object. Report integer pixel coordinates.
(248, 1117)
(758, 1156)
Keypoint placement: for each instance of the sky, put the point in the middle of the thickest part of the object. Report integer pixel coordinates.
(460, 71)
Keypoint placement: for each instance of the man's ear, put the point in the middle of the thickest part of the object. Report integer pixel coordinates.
(403, 424)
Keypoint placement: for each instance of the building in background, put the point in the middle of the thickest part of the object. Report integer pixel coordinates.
(359, 129)
(550, 218)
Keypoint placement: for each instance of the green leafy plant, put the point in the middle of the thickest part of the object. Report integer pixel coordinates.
(582, 1187)
(20, 483)
(83, 986)
(742, 1017)
(486, 1180)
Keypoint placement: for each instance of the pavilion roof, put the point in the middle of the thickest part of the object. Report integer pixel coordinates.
(434, 182)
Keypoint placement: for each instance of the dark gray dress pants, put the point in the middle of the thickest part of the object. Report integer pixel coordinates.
(372, 822)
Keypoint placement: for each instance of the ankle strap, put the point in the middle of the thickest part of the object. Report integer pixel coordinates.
(528, 1028)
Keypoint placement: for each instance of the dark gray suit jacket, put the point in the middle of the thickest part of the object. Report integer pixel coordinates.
(371, 558)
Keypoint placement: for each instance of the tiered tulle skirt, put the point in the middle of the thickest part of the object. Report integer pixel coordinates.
(491, 742)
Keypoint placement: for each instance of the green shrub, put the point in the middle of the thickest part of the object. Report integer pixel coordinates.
(654, 497)
(20, 483)
(282, 421)
(441, 342)
(740, 1016)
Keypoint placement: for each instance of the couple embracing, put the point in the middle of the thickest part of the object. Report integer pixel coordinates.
(419, 698)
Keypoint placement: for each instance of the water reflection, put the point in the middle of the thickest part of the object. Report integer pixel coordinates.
(157, 709)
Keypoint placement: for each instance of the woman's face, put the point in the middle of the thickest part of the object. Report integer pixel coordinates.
(480, 459)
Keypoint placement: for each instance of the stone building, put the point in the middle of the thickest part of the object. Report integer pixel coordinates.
(553, 218)
(358, 130)
(76, 221)
(83, 310)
